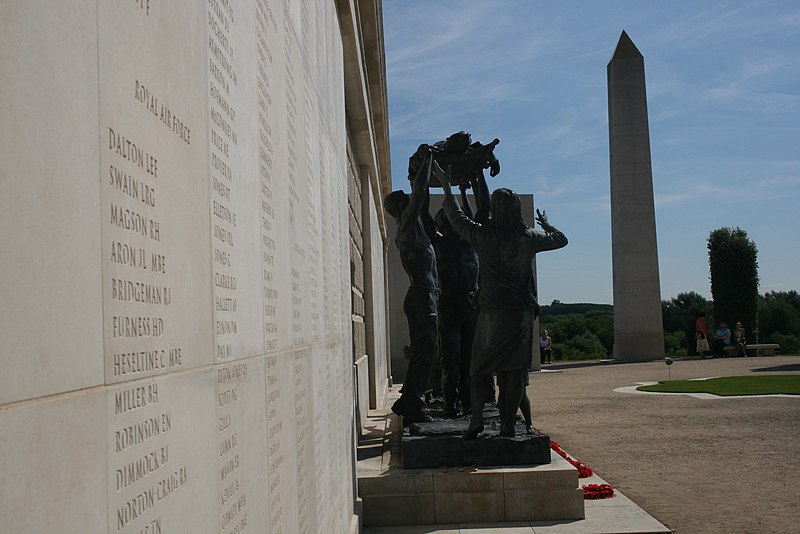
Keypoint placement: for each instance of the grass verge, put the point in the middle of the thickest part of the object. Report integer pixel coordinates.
(732, 385)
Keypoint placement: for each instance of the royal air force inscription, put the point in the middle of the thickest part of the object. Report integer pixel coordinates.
(159, 110)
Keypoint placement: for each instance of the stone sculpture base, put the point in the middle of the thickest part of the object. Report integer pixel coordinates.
(394, 496)
(439, 443)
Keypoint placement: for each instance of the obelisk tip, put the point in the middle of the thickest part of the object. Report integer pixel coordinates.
(626, 49)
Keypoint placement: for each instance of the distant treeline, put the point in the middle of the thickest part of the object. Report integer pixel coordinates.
(586, 331)
(581, 331)
(560, 308)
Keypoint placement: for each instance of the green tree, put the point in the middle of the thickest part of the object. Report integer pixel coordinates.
(675, 343)
(602, 326)
(789, 344)
(779, 317)
(588, 334)
(679, 317)
(732, 260)
(582, 347)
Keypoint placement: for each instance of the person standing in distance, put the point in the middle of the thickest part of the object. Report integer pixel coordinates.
(545, 349)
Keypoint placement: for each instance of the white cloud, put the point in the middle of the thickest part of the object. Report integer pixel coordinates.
(751, 100)
(783, 183)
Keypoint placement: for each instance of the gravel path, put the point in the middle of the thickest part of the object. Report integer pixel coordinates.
(725, 465)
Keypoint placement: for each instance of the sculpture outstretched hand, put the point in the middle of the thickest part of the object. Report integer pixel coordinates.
(541, 218)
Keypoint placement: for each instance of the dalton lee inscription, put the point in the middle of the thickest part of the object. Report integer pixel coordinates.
(128, 150)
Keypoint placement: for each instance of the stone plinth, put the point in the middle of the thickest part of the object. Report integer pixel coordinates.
(434, 496)
(392, 495)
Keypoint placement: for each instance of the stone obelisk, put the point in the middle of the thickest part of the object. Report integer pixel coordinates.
(638, 327)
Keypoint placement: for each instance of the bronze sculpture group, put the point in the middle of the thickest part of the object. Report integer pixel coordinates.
(472, 291)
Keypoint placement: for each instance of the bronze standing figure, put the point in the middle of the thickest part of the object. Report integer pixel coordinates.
(507, 303)
(413, 240)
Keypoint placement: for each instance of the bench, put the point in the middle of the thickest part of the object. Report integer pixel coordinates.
(751, 349)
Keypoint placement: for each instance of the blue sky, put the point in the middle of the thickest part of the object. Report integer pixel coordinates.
(723, 84)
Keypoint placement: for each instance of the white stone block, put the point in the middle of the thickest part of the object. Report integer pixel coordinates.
(163, 454)
(242, 442)
(50, 321)
(52, 473)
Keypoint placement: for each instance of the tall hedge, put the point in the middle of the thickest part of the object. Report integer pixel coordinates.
(732, 259)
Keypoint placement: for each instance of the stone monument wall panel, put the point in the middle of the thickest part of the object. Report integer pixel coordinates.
(296, 231)
(265, 27)
(303, 132)
(333, 452)
(281, 502)
(340, 280)
(316, 180)
(271, 104)
(50, 322)
(235, 182)
(242, 440)
(304, 438)
(52, 477)
(155, 220)
(162, 450)
(376, 320)
(212, 338)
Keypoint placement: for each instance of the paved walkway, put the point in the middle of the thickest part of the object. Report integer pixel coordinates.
(696, 465)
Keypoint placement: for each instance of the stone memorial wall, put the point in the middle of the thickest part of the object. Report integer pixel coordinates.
(177, 338)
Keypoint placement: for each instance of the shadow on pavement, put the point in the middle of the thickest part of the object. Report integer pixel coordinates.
(584, 363)
(778, 368)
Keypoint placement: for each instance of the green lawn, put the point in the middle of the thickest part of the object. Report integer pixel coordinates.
(732, 385)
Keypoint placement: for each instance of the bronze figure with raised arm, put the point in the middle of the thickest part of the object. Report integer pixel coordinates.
(457, 263)
(417, 255)
(503, 340)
